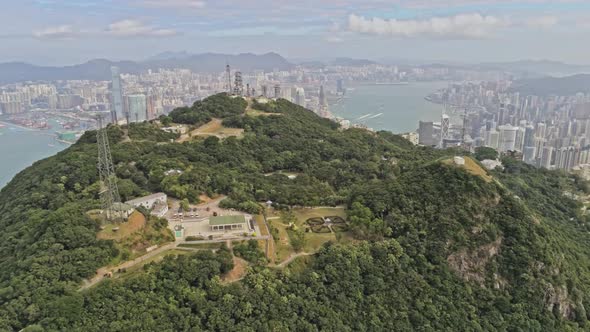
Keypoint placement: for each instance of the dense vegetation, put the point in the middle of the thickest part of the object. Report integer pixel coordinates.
(217, 106)
(439, 249)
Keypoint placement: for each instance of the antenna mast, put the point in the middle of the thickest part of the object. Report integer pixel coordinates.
(228, 73)
(109, 193)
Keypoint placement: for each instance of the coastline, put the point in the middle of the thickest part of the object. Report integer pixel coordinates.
(10, 124)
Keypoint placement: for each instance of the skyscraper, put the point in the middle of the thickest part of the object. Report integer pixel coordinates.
(507, 138)
(492, 139)
(117, 114)
(300, 97)
(323, 102)
(546, 157)
(426, 133)
(137, 108)
(528, 155)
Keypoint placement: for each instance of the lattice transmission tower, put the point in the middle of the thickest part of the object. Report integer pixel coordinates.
(109, 193)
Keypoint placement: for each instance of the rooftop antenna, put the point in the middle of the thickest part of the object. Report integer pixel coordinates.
(109, 193)
(228, 74)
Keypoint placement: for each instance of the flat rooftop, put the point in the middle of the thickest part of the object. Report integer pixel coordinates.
(227, 220)
(145, 198)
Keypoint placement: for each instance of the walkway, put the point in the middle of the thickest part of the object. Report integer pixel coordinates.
(100, 273)
(292, 258)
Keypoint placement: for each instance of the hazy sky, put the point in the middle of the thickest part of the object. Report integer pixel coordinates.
(72, 31)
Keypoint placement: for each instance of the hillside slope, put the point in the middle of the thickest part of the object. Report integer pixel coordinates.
(438, 248)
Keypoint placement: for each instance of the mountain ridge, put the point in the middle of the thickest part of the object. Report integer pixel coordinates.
(432, 245)
(99, 69)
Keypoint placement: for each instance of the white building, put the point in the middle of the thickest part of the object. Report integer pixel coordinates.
(156, 203)
(491, 164)
(412, 137)
(492, 139)
(507, 138)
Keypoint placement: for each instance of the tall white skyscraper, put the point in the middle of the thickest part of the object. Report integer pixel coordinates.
(116, 96)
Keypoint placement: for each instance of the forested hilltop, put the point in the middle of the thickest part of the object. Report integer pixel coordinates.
(437, 247)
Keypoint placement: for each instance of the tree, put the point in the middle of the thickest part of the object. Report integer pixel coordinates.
(184, 204)
(483, 153)
(297, 239)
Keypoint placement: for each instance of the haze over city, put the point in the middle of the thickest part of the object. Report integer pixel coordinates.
(71, 32)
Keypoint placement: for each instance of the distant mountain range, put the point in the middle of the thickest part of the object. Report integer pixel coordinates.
(561, 86)
(538, 68)
(99, 69)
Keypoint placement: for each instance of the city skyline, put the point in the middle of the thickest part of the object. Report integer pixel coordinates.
(48, 32)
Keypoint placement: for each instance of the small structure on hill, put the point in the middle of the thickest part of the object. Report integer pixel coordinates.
(492, 164)
(459, 161)
(176, 129)
(156, 203)
(122, 210)
(228, 223)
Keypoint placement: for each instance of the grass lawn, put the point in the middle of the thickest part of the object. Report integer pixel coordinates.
(253, 112)
(314, 241)
(298, 265)
(268, 246)
(472, 167)
(215, 128)
(283, 247)
(135, 223)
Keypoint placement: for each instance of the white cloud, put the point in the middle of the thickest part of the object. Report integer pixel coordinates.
(178, 4)
(134, 28)
(541, 22)
(57, 32)
(460, 26)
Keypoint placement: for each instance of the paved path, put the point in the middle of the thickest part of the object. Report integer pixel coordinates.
(100, 273)
(104, 270)
(293, 257)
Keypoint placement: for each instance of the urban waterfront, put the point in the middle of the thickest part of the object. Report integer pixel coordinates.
(21, 147)
(396, 108)
(402, 106)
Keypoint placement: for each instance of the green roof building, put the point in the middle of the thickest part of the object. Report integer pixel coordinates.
(228, 223)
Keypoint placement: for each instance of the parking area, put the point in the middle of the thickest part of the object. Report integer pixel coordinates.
(195, 222)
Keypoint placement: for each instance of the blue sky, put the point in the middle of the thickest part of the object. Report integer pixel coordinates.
(72, 31)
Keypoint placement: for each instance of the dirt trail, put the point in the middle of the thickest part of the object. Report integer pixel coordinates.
(292, 258)
(238, 272)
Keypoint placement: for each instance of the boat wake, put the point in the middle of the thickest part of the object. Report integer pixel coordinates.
(364, 116)
(376, 116)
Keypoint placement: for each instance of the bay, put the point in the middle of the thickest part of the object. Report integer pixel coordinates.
(21, 147)
(402, 106)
